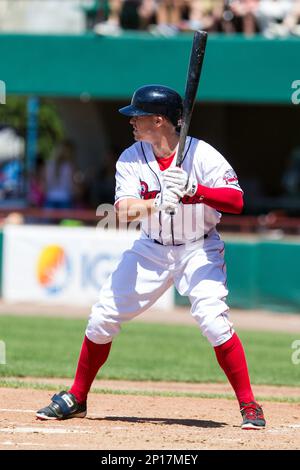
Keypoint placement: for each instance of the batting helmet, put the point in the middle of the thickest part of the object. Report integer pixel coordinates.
(155, 99)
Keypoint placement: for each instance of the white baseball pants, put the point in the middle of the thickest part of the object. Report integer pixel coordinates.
(148, 269)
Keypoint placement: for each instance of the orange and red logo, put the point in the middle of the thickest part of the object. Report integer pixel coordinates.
(53, 269)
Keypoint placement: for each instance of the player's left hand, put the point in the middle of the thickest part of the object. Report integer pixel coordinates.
(176, 177)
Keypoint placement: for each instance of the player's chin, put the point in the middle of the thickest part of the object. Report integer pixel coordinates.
(136, 136)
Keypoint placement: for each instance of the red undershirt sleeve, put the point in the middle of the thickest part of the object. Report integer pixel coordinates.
(222, 199)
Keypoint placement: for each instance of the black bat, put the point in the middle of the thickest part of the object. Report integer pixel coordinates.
(191, 87)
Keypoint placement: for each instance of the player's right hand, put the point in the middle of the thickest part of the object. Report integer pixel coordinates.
(175, 177)
(167, 200)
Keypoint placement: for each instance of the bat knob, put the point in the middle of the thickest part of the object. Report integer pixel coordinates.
(170, 211)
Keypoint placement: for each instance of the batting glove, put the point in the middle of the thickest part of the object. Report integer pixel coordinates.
(167, 200)
(176, 177)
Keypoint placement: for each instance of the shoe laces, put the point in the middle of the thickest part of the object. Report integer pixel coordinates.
(251, 411)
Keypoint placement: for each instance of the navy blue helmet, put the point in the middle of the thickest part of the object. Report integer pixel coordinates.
(155, 99)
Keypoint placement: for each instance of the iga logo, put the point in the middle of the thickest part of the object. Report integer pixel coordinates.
(53, 269)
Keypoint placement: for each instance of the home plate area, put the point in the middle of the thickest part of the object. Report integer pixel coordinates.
(144, 422)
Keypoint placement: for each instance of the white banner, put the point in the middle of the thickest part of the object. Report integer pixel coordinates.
(63, 265)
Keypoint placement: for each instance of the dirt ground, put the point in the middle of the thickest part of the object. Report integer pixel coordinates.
(131, 422)
(146, 422)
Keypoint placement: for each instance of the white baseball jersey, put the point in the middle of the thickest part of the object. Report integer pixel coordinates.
(139, 176)
(196, 266)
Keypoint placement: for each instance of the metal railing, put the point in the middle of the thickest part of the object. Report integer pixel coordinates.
(240, 224)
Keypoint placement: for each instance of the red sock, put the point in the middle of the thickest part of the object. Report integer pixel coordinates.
(91, 358)
(231, 358)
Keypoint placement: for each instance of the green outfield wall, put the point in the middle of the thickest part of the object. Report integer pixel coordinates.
(262, 274)
(1, 259)
(236, 69)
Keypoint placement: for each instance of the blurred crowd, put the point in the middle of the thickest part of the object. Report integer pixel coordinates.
(59, 183)
(272, 18)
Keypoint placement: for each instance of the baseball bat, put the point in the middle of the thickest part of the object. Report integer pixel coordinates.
(191, 87)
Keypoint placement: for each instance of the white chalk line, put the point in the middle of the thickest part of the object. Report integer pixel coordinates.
(12, 410)
(7, 443)
(43, 430)
(18, 410)
(19, 444)
(284, 429)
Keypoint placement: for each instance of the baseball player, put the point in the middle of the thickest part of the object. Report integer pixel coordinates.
(179, 209)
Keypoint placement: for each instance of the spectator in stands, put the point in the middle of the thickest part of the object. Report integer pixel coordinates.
(168, 17)
(130, 16)
(184, 15)
(147, 14)
(292, 21)
(202, 14)
(112, 25)
(124, 14)
(36, 196)
(161, 17)
(237, 16)
(105, 181)
(59, 177)
(271, 16)
(173, 16)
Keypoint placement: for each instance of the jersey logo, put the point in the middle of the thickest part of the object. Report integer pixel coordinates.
(145, 193)
(230, 177)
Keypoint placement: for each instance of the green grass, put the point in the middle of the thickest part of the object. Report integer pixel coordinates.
(19, 384)
(49, 347)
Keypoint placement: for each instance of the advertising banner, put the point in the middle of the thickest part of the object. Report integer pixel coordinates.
(63, 265)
